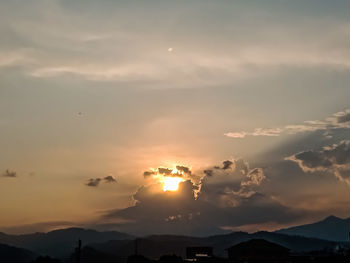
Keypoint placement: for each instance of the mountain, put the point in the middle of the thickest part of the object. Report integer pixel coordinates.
(156, 246)
(9, 254)
(60, 243)
(331, 228)
(116, 247)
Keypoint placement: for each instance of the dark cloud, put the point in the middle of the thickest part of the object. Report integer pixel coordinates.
(109, 179)
(9, 173)
(149, 173)
(165, 171)
(208, 172)
(227, 164)
(335, 159)
(94, 182)
(226, 198)
(344, 118)
(227, 187)
(181, 213)
(309, 160)
(184, 169)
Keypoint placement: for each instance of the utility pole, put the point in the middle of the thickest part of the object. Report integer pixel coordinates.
(136, 246)
(78, 252)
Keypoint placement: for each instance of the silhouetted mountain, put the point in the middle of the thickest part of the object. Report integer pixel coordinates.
(117, 247)
(60, 243)
(9, 254)
(331, 228)
(154, 247)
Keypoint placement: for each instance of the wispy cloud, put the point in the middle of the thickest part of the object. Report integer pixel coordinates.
(104, 52)
(336, 121)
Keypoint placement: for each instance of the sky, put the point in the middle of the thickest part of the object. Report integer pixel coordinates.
(244, 103)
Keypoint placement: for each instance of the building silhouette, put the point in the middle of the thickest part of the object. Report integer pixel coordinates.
(199, 253)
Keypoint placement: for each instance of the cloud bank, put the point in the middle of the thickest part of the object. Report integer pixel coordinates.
(227, 196)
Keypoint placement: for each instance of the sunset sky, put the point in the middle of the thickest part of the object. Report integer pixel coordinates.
(245, 103)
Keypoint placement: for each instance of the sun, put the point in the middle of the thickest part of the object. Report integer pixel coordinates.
(171, 183)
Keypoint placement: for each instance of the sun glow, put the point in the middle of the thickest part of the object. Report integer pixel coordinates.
(171, 183)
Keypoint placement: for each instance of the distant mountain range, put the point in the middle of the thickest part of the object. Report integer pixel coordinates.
(60, 243)
(116, 246)
(331, 228)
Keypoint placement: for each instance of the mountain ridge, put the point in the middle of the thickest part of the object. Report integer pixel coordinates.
(330, 228)
(60, 242)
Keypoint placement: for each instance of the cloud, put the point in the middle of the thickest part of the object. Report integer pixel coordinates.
(227, 187)
(236, 134)
(94, 182)
(227, 165)
(177, 171)
(338, 120)
(184, 169)
(37, 227)
(109, 179)
(9, 173)
(149, 173)
(344, 117)
(145, 61)
(227, 197)
(256, 132)
(166, 171)
(208, 172)
(254, 177)
(334, 159)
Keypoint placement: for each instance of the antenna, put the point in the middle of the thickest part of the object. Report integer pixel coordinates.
(78, 252)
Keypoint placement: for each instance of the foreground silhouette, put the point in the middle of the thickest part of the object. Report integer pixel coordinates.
(230, 248)
(46, 259)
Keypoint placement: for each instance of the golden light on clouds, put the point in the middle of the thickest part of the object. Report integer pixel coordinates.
(169, 178)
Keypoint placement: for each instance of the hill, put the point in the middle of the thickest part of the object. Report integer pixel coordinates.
(9, 254)
(60, 243)
(331, 228)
